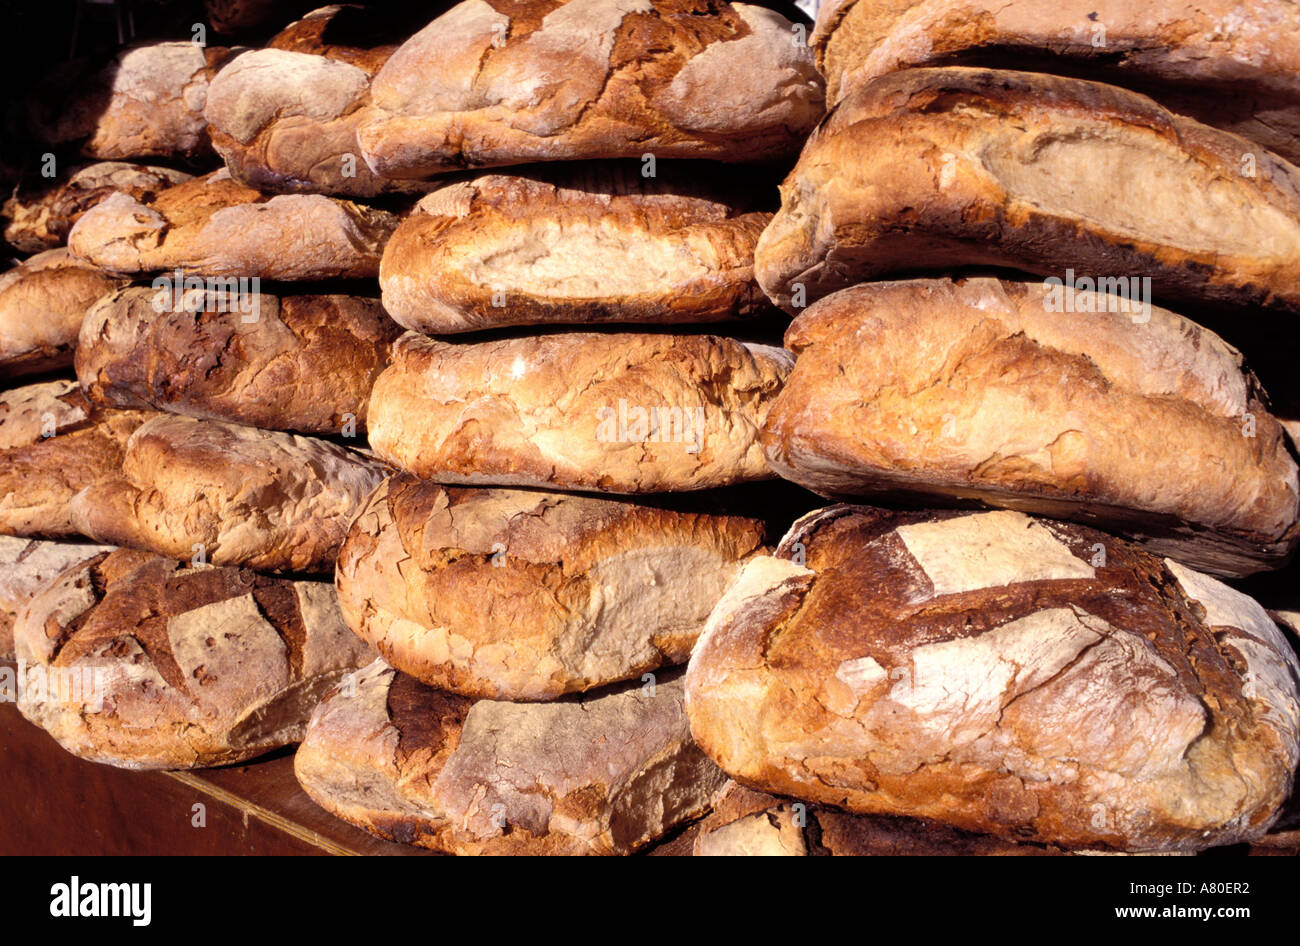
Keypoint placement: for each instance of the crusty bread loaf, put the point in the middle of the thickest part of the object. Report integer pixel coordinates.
(621, 413)
(146, 663)
(581, 591)
(497, 82)
(40, 217)
(27, 566)
(284, 118)
(146, 102)
(53, 443)
(605, 773)
(746, 823)
(579, 245)
(1234, 64)
(42, 303)
(216, 226)
(940, 168)
(975, 390)
(1034, 680)
(228, 495)
(303, 363)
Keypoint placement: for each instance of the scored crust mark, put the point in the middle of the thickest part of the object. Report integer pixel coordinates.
(1087, 712)
(176, 666)
(954, 140)
(476, 87)
(961, 414)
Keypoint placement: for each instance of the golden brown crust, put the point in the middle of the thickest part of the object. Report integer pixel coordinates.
(1033, 680)
(603, 773)
(179, 666)
(303, 363)
(580, 591)
(578, 245)
(508, 412)
(515, 81)
(26, 566)
(218, 227)
(1232, 64)
(974, 389)
(952, 167)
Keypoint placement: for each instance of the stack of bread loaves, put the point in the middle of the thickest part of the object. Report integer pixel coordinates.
(481, 314)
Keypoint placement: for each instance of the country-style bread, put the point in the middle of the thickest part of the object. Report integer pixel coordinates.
(53, 443)
(517, 594)
(228, 495)
(498, 82)
(580, 244)
(941, 168)
(604, 773)
(303, 363)
(27, 566)
(284, 118)
(620, 413)
(1233, 64)
(746, 823)
(39, 218)
(1034, 680)
(147, 663)
(42, 302)
(146, 102)
(218, 227)
(978, 389)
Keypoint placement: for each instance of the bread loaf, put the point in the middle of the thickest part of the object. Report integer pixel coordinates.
(39, 218)
(1033, 680)
(527, 595)
(228, 495)
(146, 102)
(976, 389)
(284, 118)
(146, 663)
(746, 823)
(622, 413)
(1234, 64)
(942, 168)
(26, 566)
(215, 226)
(42, 303)
(604, 773)
(302, 363)
(53, 443)
(498, 82)
(585, 244)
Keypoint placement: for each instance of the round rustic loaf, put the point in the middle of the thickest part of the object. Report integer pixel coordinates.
(26, 566)
(1034, 680)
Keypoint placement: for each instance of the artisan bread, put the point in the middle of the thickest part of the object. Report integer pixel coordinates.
(746, 823)
(53, 443)
(28, 565)
(604, 773)
(622, 413)
(39, 218)
(583, 591)
(498, 82)
(228, 495)
(302, 363)
(284, 118)
(142, 662)
(146, 102)
(218, 227)
(941, 168)
(585, 244)
(1034, 680)
(974, 389)
(1234, 64)
(42, 302)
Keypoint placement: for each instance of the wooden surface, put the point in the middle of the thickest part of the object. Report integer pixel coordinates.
(54, 803)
